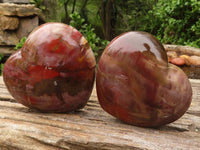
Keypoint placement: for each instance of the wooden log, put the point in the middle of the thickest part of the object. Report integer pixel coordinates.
(182, 49)
(91, 128)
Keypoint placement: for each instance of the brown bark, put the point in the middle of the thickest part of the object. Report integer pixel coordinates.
(106, 18)
(92, 128)
(67, 18)
(51, 10)
(83, 10)
(74, 4)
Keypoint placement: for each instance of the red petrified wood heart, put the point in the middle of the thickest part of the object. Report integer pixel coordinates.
(136, 84)
(54, 71)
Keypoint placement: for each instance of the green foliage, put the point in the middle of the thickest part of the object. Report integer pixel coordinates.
(76, 20)
(87, 9)
(17, 47)
(20, 44)
(1, 67)
(96, 43)
(171, 21)
(131, 15)
(176, 22)
(1, 64)
(38, 4)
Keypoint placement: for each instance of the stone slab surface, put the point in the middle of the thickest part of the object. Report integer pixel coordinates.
(16, 1)
(8, 38)
(26, 25)
(7, 50)
(10, 9)
(8, 23)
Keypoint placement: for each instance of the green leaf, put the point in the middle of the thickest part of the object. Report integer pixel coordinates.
(20, 44)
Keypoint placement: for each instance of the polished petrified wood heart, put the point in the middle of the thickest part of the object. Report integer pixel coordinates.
(136, 84)
(54, 71)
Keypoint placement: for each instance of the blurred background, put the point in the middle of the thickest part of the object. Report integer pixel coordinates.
(171, 21)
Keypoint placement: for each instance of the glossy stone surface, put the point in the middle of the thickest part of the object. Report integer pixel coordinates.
(136, 84)
(54, 71)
